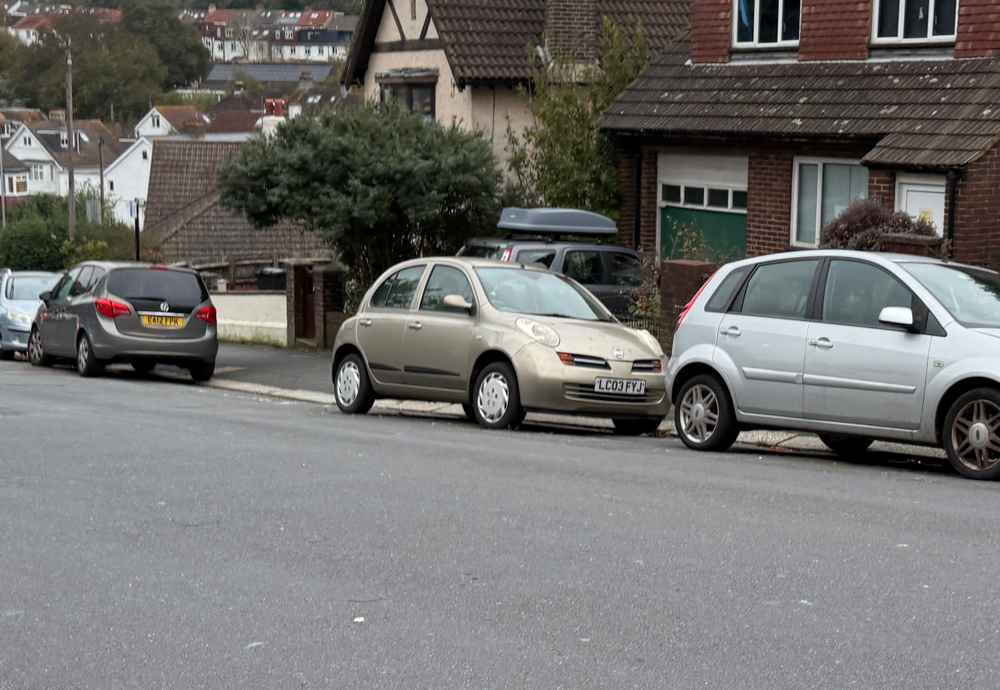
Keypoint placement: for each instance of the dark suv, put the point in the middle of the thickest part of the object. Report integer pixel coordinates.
(611, 272)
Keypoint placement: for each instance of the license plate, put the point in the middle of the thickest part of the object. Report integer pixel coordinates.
(620, 386)
(166, 322)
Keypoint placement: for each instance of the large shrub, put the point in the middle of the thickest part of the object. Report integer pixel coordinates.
(37, 237)
(379, 183)
(865, 224)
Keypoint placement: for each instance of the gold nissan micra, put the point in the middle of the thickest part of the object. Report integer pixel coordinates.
(502, 340)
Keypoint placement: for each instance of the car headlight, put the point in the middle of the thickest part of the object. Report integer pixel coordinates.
(651, 342)
(538, 332)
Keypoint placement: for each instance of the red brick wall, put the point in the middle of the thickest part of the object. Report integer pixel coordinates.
(571, 29)
(711, 30)
(650, 206)
(769, 202)
(882, 187)
(835, 30)
(625, 159)
(978, 29)
(977, 217)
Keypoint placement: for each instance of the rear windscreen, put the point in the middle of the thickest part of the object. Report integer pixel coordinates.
(176, 287)
(482, 251)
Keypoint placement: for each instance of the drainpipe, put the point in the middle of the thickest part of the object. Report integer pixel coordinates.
(953, 177)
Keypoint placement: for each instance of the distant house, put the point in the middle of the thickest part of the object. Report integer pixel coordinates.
(45, 148)
(126, 182)
(235, 125)
(277, 79)
(15, 178)
(28, 29)
(465, 61)
(185, 220)
(166, 120)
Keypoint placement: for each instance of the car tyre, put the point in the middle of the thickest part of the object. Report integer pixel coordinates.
(87, 364)
(469, 411)
(202, 372)
(351, 386)
(636, 427)
(36, 353)
(704, 416)
(496, 399)
(970, 434)
(143, 367)
(853, 448)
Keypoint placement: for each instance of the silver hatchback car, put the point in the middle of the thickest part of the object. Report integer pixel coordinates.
(853, 346)
(100, 313)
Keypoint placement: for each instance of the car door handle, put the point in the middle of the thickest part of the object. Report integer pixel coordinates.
(733, 332)
(365, 322)
(414, 325)
(822, 343)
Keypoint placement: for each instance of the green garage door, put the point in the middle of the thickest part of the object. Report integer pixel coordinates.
(724, 234)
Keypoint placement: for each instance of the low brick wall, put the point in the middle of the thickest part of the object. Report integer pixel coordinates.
(913, 244)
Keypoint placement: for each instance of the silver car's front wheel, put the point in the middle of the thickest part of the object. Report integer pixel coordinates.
(973, 428)
(493, 398)
(36, 353)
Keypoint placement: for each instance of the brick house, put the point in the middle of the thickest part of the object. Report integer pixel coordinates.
(465, 61)
(764, 123)
(185, 220)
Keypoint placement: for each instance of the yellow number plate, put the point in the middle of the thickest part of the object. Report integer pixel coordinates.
(174, 322)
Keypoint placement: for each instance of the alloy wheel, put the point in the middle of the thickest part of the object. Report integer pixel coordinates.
(348, 383)
(493, 398)
(975, 435)
(82, 355)
(35, 353)
(699, 413)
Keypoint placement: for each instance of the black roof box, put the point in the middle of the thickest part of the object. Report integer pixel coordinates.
(555, 221)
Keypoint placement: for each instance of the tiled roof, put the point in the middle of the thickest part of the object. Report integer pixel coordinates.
(940, 113)
(486, 40)
(238, 101)
(181, 115)
(182, 172)
(11, 164)
(50, 133)
(235, 122)
(268, 73)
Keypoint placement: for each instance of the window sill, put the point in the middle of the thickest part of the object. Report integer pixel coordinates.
(921, 51)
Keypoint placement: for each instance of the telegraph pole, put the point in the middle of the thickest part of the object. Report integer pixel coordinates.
(100, 163)
(72, 143)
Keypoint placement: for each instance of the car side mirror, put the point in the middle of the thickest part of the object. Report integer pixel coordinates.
(897, 316)
(458, 302)
(45, 296)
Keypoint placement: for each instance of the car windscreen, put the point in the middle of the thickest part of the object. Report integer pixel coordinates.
(178, 288)
(28, 288)
(971, 295)
(534, 293)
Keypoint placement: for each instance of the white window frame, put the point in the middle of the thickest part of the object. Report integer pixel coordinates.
(898, 38)
(920, 182)
(821, 162)
(156, 121)
(756, 27)
(704, 186)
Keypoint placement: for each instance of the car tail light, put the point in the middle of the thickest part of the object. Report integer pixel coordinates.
(111, 309)
(207, 314)
(690, 304)
(507, 255)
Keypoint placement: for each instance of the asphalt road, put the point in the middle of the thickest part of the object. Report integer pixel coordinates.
(157, 534)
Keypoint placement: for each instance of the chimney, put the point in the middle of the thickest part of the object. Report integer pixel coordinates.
(571, 31)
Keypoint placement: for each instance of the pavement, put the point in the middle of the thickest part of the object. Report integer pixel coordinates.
(159, 534)
(305, 376)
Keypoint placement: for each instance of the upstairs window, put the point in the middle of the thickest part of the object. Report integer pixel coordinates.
(766, 23)
(899, 21)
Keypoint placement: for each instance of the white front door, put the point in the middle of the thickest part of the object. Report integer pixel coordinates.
(922, 198)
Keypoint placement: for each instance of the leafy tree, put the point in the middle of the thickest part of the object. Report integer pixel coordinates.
(111, 67)
(178, 45)
(379, 183)
(9, 52)
(563, 158)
